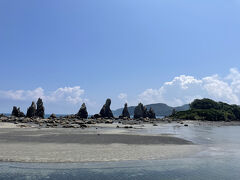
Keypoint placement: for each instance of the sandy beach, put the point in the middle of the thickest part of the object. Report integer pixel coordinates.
(90, 145)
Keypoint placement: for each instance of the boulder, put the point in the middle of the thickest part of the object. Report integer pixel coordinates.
(31, 111)
(125, 113)
(139, 111)
(82, 113)
(106, 112)
(53, 116)
(40, 108)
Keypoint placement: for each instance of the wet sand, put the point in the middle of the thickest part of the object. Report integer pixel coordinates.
(91, 144)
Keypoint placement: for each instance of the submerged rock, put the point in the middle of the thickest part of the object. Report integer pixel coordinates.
(106, 112)
(40, 108)
(125, 112)
(31, 112)
(82, 113)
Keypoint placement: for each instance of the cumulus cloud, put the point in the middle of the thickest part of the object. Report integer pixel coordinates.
(122, 97)
(72, 95)
(184, 89)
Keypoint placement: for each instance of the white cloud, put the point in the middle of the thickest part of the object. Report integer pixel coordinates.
(184, 89)
(122, 97)
(72, 95)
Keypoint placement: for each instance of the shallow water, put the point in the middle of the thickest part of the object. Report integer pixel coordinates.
(219, 160)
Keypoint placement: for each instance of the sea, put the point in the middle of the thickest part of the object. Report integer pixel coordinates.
(219, 160)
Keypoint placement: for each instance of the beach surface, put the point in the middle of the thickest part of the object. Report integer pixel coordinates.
(94, 144)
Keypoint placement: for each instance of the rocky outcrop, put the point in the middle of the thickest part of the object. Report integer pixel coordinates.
(31, 111)
(82, 113)
(138, 111)
(142, 112)
(106, 112)
(17, 113)
(145, 112)
(125, 112)
(40, 108)
(151, 114)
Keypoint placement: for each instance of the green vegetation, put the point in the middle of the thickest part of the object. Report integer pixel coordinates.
(207, 109)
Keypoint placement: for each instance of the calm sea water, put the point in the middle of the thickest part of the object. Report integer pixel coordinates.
(220, 160)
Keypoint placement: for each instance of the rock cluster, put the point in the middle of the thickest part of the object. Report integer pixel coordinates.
(106, 112)
(40, 108)
(142, 112)
(82, 113)
(31, 111)
(17, 113)
(151, 114)
(125, 113)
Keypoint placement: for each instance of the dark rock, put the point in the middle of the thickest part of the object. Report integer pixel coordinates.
(40, 108)
(96, 116)
(53, 116)
(145, 112)
(128, 127)
(185, 125)
(84, 126)
(151, 114)
(108, 121)
(139, 110)
(106, 112)
(17, 113)
(31, 111)
(125, 113)
(82, 113)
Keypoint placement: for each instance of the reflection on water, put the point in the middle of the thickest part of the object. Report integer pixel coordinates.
(220, 160)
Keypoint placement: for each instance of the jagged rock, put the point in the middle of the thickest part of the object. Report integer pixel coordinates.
(40, 108)
(82, 113)
(17, 113)
(125, 112)
(145, 112)
(151, 114)
(106, 112)
(31, 111)
(138, 111)
(53, 116)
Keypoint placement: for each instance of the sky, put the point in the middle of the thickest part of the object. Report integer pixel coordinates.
(156, 51)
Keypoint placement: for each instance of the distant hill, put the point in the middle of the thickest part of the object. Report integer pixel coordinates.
(160, 109)
(207, 109)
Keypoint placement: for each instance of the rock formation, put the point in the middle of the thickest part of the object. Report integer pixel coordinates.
(139, 111)
(31, 111)
(40, 108)
(82, 113)
(17, 113)
(151, 114)
(106, 112)
(125, 112)
(145, 112)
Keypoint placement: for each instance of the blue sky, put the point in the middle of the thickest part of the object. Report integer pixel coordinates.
(88, 50)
